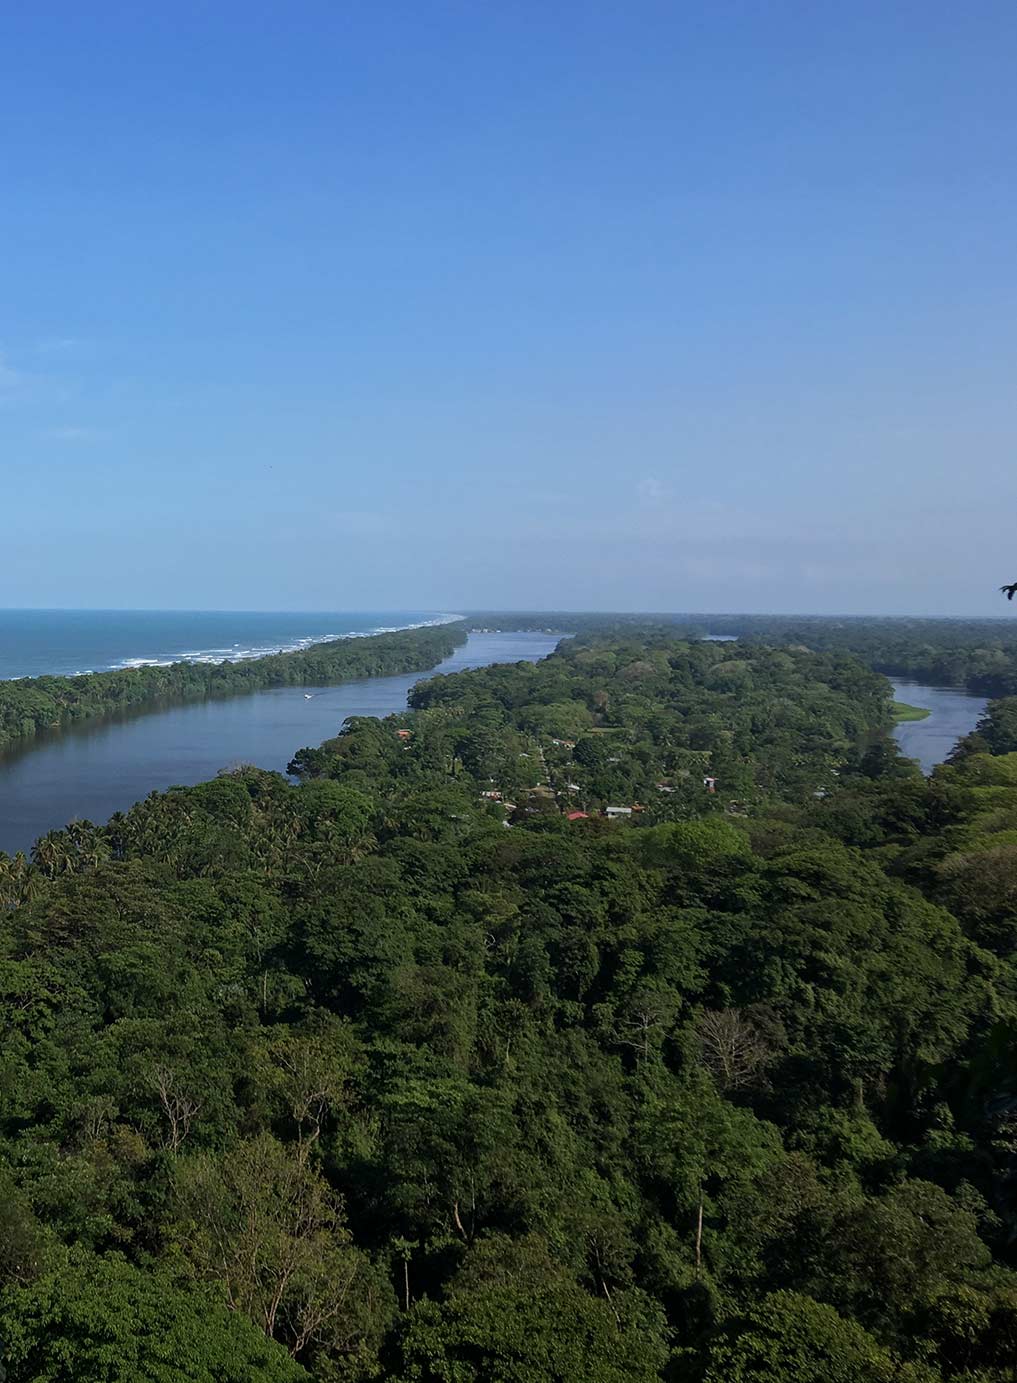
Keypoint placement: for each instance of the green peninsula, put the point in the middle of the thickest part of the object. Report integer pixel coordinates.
(31, 705)
(902, 711)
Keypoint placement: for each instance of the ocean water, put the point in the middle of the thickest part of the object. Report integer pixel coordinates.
(67, 642)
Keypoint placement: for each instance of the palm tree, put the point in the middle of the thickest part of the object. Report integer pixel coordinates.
(52, 854)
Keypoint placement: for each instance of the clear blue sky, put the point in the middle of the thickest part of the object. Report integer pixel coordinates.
(585, 305)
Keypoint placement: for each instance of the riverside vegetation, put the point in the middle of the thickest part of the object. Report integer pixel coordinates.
(979, 655)
(32, 705)
(347, 1081)
(902, 712)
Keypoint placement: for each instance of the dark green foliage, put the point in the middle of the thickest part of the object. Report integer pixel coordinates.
(794, 1339)
(980, 654)
(103, 1321)
(995, 733)
(512, 1312)
(349, 1081)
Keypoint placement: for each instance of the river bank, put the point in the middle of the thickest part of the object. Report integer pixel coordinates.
(902, 711)
(951, 714)
(94, 769)
(36, 706)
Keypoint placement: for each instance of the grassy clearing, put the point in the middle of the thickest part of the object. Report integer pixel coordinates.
(902, 711)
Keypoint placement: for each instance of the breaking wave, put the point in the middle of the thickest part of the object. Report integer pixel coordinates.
(237, 653)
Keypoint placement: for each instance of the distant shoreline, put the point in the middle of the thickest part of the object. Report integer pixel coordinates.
(33, 705)
(76, 643)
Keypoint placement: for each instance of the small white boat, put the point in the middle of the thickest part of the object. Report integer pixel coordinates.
(308, 696)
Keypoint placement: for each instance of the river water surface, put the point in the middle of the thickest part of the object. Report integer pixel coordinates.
(954, 714)
(95, 769)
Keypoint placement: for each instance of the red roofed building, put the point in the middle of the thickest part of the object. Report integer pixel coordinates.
(578, 816)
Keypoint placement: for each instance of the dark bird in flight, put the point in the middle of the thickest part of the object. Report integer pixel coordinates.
(1009, 591)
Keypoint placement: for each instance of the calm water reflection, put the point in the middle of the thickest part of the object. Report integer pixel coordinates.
(92, 771)
(954, 714)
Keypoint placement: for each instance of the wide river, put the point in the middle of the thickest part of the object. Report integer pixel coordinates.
(954, 714)
(93, 770)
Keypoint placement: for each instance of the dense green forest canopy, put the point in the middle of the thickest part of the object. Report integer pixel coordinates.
(31, 705)
(979, 654)
(424, 1069)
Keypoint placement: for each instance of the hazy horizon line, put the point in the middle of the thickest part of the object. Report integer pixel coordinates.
(470, 613)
